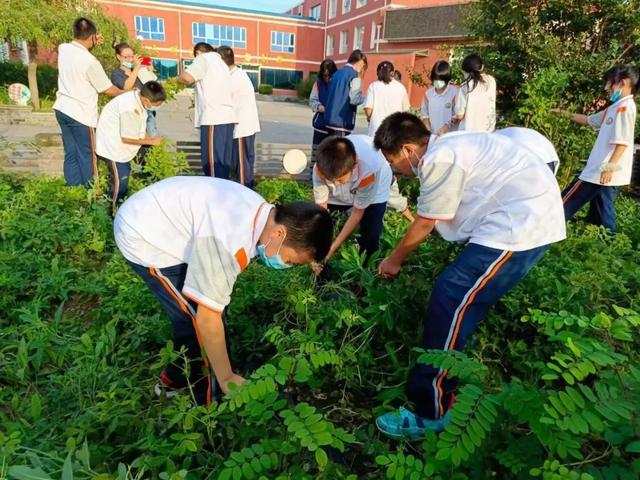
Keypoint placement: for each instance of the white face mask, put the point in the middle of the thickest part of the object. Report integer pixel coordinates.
(439, 84)
(414, 168)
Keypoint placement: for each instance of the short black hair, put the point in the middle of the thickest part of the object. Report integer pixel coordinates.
(385, 71)
(399, 129)
(202, 47)
(441, 70)
(83, 28)
(621, 72)
(227, 55)
(153, 91)
(356, 56)
(335, 157)
(309, 227)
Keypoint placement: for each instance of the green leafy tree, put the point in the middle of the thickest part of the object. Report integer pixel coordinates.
(47, 23)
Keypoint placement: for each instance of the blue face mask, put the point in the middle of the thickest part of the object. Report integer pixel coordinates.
(127, 64)
(615, 96)
(273, 261)
(152, 109)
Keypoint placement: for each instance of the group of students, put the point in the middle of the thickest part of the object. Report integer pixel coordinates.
(226, 111)
(188, 238)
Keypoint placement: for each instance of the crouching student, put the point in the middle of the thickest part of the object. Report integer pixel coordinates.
(489, 192)
(189, 238)
(351, 175)
(122, 130)
(611, 160)
(246, 110)
(214, 109)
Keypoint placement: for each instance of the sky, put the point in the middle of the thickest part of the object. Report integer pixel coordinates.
(277, 6)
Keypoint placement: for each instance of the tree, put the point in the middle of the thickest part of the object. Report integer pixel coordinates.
(553, 53)
(47, 23)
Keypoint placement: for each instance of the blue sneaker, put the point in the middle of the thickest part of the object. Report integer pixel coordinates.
(404, 424)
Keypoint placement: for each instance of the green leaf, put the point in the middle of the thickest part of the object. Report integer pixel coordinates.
(321, 458)
(67, 468)
(382, 460)
(633, 447)
(24, 472)
(36, 406)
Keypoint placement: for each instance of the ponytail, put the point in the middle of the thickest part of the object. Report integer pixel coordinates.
(385, 71)
(119, 47)
(473, 65)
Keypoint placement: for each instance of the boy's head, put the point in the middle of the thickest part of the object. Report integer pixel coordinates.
(227, 55)
(403, 139)
(202, 47)
(336, 159)
(302, 233)
(85, 32)
(152, 94)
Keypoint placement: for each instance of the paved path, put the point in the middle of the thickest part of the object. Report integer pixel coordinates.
(282, 122)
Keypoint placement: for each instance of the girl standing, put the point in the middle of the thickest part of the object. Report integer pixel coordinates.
(384, 97)
(318, 100)
(611, 159)
(475, 105)
(437, 106)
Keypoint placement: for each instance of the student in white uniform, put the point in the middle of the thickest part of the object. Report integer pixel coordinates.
(539, 145)
(122, 130)
(611, 160)
(384, 97)
(80, 79)
(475, 106)
(246, 109)
(439, 99)
(350, 175)
(486, 191)
(215, 115)
(189, 238)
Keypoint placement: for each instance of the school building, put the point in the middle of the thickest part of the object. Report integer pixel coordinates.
(412, 34)
(278, 49)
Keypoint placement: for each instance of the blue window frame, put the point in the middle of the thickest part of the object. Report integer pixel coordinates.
(165, 68)
(283, 42)
(217, 35)
(149, 28)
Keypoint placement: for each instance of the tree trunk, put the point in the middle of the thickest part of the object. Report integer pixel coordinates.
(32, 75)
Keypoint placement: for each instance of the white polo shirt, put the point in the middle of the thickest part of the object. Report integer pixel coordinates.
(478, 106)
(80, 79)
(244, 104)
(438, 107)
(486, 189)
(538, 144)
(385, 99)
(214, 104)
(122, 117)
(370, 180)
(616, 126)
(212, 225)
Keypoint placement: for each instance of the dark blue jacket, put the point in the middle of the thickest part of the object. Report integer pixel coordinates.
(339, 113)
(318, 121)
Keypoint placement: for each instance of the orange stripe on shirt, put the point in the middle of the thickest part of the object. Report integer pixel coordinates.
(622, 109)
(367, 180)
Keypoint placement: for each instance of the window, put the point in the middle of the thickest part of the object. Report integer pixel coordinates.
(165, 69)
(282, 79)
(360, 3)
(346, 6)
(186, 62)
(329, 45)
(216, 35)
(344, 41)
(374, 35)
(283, 42)
(333, 8)
(149, 28)
(253, 71)
(358, 36)
(314, 12)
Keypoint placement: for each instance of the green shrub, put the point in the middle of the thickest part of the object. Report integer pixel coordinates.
(304, 87)
(11, 72)
(265, 89)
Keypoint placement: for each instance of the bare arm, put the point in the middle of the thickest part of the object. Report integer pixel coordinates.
(368, 112)
(142, 141)
(113, 91)
(350, 225)
(185, 78)
(576, 117)
(211, 333)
